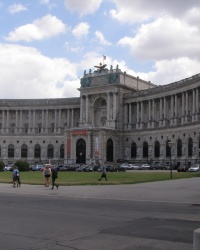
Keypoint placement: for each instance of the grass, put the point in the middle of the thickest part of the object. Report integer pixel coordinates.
(81, 178)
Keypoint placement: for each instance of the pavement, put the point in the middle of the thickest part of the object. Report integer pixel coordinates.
(147, 216)
(174, 191)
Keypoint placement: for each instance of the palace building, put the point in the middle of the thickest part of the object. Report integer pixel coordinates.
(118, 117)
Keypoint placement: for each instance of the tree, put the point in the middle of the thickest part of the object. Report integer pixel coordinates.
(2, 165)
(22, 165)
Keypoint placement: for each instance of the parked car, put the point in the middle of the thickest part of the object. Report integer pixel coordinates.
(8, 168)
(157, 166)
(125, 165)
(182, 168)
(61, 168)
(133, 166)
(40, 167)
(194, 168)
(144, 166)
(33, 168)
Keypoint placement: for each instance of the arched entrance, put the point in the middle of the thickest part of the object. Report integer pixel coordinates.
(80, 151)
(109, 150)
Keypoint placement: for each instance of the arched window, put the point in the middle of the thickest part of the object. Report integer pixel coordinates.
(168, 149)
(157, 149)
(11, 150)
(109, 150)
(179, 148)
(50, 150)
(145, 149)
(190, 146)
(133, 150)
(37, 151)
(24, 151)
(62, 154)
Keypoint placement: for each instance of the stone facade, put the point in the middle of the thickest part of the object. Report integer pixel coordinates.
(117, 116)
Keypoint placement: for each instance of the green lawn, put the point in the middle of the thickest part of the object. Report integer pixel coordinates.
(81, 178)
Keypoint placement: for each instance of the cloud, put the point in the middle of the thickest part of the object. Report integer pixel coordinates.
(127, 11)
(83, 7)
(166, 38)
(101, 39)
(40, 29)
(48, 4)
(16, 8)
(34, 75)
(81, 29)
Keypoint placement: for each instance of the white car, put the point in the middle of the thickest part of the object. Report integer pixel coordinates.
(133, 166)
(194, 168)
(144, 166)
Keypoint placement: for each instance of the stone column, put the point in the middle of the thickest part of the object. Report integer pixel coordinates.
(142, 115)
(193, 105)
(43, 129)
(16, 121)
(172, 110)
(81, 110)
(176, 109)
(55, 120)
(138, 122)
(59, 121)
(72, 118)
(183, 108)
(7, 122)
(130, 116)
(149, 122)
(68, 118)
(47, 121)
(20, 121)
(160, 120)
(114, 105)
(86, 109)
(29, 122)
(3, 119)
(108, 107)
(186, 107)
(153, 113)
(197, 104)
(34, 121)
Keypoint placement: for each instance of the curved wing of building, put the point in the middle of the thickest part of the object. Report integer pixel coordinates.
(118, 117)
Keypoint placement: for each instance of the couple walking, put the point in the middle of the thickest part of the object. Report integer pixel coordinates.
(53, 173)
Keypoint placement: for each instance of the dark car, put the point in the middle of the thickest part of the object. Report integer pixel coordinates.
(62, 168)
(182, 168)
(157, 166)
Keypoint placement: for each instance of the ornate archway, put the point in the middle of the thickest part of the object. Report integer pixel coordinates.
(109, 150)
(80, 151)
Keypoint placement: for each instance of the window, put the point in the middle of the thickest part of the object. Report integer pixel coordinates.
(50, 150)
(37, 151)
(133, 150)
(11, 150)
(24, 151)
(62, 151)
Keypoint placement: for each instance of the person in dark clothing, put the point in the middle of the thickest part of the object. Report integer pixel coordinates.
(54, 176)
(103, 175)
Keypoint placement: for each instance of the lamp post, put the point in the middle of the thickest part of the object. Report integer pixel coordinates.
(170, 144)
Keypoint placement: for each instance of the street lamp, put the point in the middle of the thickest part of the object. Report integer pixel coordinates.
(170, 144)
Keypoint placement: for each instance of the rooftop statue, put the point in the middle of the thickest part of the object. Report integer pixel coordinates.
(101, 67)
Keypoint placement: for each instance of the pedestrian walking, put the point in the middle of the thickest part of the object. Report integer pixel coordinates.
(54, 176)
(47, 174)
(18, 178)
(103, 175)
(15, 176)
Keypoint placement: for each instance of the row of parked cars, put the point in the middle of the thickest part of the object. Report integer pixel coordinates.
(185, 168)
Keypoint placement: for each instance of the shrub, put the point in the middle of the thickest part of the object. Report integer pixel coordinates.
(22, 165)
(2, 165)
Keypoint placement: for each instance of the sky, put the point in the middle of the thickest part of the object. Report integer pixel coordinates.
(46, 45)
